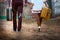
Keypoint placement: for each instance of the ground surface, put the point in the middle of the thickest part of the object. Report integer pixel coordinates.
(50, 30)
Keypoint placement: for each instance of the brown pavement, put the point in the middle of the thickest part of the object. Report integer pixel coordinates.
(50, 30)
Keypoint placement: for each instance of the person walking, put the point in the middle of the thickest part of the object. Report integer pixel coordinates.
(37, 9)
(17, 6)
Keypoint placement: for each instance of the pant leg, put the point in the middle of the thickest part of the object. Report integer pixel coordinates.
(14, 21)
(20, 11)
(14, 17)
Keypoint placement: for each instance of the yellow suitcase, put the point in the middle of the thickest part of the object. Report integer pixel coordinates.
(46, 13)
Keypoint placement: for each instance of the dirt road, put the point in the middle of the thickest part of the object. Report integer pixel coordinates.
(50, 30)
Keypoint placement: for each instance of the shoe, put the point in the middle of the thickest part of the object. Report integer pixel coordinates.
(14, 28)
(39, 29)
(19, 29)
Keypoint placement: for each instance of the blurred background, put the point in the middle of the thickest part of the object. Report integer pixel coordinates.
(50, 29)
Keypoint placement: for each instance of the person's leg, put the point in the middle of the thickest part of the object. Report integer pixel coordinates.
(20, 11)
(14, 17)
(39, 20)
(14, 21)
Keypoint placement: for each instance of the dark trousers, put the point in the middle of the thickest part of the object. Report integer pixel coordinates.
(17, 8)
